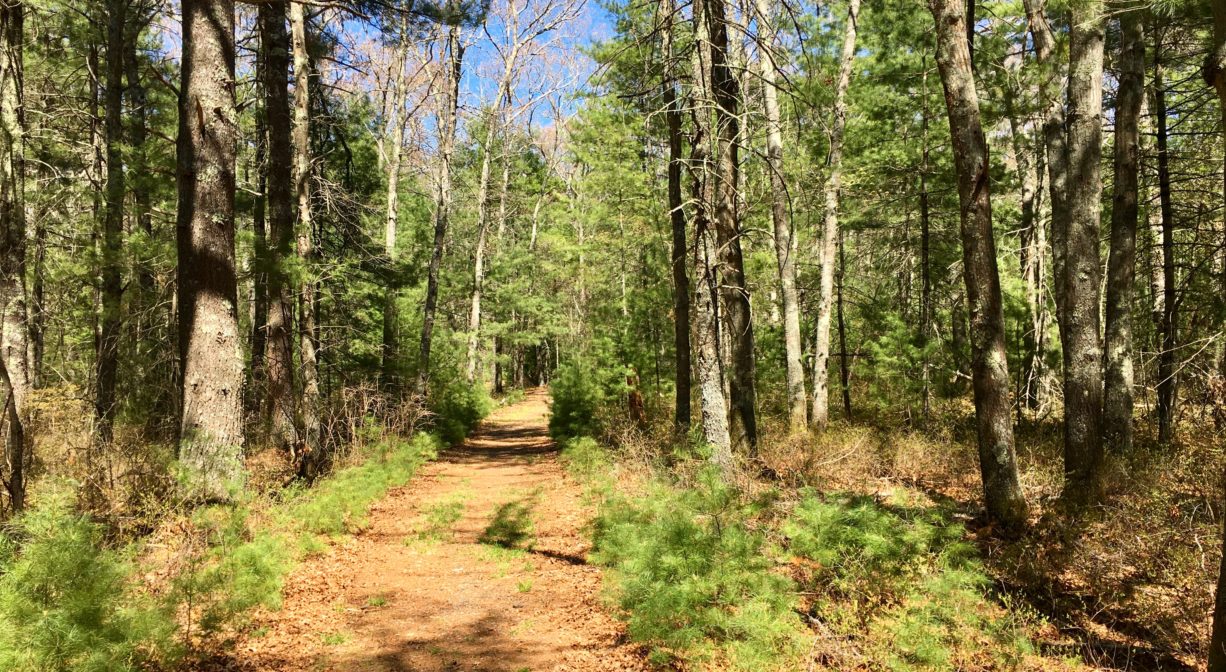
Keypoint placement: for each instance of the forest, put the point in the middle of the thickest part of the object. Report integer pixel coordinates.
(517, 335)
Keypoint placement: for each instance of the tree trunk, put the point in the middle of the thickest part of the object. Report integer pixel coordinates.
(715, 430)
(112, 228)
(830, 225)
(1083, 364)
(279, 407)
(391, 291)
(14, 336)
(307, 301)
(724, 92)
(1054, 144)
(785, 244)
(442, 201)
(676, 215)
(1121, 265)
(997, 463)
(1167, 375)
(256, 386)
(483, 192)
(844, 355)
(211, 427)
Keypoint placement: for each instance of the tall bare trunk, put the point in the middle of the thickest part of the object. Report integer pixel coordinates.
(390, 293)
(211, 427)
(830, 224)
(676, 216)
(307, 301)
(997, 462)
(1083, 364)
(14, 337)
(1121, 265)
(279, 406)
(1167, 375)
(112, 228)
(785, 244)
(715, 430)
(442, 200)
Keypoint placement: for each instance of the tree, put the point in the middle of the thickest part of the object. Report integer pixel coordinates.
(1083, 367)
(724, 93)
(14, 337)
(307, 296)
(279, 408)
(830, 226)
(211, 427)
(785, 243)
(676, 218)
(448, 121)
(997, 462)
(112, 228)
(1121, 265)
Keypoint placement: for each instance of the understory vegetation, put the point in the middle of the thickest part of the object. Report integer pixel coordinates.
(76, 600)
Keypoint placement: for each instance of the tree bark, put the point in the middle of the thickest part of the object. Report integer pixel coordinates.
(830, 224)
(211, 426)
(14, 333)
(1083, 364)
(112, 229)
(676, 216)
(925, 244)
(1121, 265)
(442, 201)
(785, 242)
(1054, 145)
(997, 462)
(279, 406)
(309, 436)
(715, 430)
(1167, 375)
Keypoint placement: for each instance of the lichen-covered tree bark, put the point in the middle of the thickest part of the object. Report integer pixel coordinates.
(715, 430)
(997, 462)
(278, 403)
(211, 423)
(14, 337)
(1121, 265)
(307, 295)
(785, 242)
(828, 246)
(1083, 364)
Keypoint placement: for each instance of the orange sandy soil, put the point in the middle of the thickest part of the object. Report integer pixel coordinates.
(388, 599)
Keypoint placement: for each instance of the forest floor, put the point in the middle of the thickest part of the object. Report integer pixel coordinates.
(418, 590)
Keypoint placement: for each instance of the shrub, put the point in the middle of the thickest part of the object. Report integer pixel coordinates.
(910, 575)
(457, 406)
(694, 579)
(585, 458)
(66, 602)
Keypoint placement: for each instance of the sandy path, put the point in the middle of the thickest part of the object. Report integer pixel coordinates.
(398, 598)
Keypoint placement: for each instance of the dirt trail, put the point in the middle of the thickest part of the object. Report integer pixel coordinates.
(406, 595)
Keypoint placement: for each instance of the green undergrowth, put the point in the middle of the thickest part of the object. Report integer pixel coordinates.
(900, 578)
(71, 602)
(705, 575)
